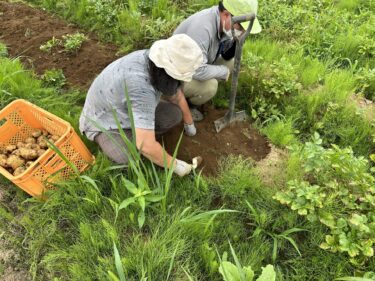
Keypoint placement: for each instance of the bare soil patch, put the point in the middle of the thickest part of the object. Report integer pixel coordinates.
(270, 169)
(23, 29)
(239, 139)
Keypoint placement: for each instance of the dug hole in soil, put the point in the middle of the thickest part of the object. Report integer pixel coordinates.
(24, 29)
(236, 139)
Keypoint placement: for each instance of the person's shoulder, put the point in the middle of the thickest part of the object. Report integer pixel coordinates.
(208, 13)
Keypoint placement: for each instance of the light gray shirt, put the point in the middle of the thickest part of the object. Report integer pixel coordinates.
(107, 95)
(204, 28)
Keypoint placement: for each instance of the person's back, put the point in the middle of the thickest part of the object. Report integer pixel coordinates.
(204, 28)
(211, 29)
(107, 95)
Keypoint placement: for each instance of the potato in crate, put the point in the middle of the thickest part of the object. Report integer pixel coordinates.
(26, 159)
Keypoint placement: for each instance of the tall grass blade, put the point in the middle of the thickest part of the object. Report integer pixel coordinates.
(118, 263)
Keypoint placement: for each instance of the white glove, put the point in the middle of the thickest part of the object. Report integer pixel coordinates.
(190, 130)
(182, 168)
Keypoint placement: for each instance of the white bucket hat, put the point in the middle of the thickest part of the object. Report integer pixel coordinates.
(179, 55)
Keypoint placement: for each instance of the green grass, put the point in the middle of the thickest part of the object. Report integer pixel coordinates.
(297, 78)
(280, 133)
(3, 50)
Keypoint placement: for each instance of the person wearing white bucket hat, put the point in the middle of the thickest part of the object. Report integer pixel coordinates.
(211, 29)
(145, 76)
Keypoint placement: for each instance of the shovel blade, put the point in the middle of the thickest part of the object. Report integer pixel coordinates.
(225, 121)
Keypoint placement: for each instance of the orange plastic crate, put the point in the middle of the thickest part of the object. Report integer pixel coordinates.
(17, 121)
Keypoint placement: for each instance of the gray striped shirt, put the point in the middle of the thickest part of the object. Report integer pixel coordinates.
(107, 95)
(204, 28)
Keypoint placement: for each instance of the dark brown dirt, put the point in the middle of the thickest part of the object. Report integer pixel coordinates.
(239, 139)
(23, 29)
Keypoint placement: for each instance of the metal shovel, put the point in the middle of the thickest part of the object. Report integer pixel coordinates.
(232, 116)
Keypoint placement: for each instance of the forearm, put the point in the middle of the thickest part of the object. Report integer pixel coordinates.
(186, 114)
(180, 100)
(209, 71)
(155, 153)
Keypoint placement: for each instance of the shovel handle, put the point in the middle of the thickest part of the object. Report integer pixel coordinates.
(237, 59)
(239, 19)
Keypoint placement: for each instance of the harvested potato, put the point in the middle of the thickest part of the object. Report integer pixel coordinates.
(29, 145)
(19, 171)
(28, 154)
(3, 160)
(36, 134)
(35, 146)
(40, 152)
(16, 152)
(28, 164)
(54, 138)
(15, 161)
(44, 133)
(20, 144)
(30, 140)
(10, 148)
(43, 144)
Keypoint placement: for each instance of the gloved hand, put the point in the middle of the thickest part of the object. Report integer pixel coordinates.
(182, 168)
(190, 129)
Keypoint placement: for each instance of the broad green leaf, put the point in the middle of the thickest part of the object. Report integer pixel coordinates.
(130, 186)
(268, 274)
(229, 271)
(124, 204)
(249, 273)
(142, 203)
(368, 251)
(141, 219)
(154, 198)
(327, 219)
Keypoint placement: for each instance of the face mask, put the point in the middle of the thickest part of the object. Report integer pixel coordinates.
(228, 33)
(237, 33)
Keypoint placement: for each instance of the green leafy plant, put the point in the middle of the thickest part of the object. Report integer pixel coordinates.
(340, 193)
(259, 221)
(50, 44)
(54, 78)
(366, 83)
(237, 272)
(142, 196)
(73, 42)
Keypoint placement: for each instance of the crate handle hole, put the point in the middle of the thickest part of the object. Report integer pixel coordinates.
(3, 121)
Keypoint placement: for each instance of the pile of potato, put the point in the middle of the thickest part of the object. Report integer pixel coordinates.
(17, 158)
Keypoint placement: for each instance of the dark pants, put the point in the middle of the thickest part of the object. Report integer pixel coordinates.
(167, 116)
